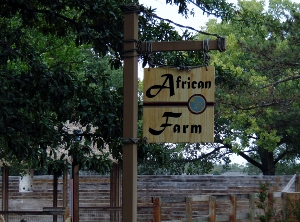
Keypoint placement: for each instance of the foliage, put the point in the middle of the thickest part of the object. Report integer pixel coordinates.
(286, 166)
(182, 158)
(293, 208)
(265, 204)
(257, 80)
(221, 168)
(220, 8)
(55, 59)
(269, 213)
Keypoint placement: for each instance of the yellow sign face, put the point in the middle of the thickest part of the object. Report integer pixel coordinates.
(178, 106)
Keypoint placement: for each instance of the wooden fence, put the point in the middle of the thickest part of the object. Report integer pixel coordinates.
(215, 208)
(199, 208)
(160, 198)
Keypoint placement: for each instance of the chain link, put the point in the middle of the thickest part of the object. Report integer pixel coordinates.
(206, 53)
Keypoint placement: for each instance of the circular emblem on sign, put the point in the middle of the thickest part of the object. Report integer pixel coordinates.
(197, 104)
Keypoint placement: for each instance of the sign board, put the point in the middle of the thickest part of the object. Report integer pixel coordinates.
(178, 105)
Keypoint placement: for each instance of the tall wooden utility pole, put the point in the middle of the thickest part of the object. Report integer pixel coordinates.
(130, 112)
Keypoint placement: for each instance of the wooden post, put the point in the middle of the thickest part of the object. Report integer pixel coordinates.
(65, 190)
(130, 114)
(156, 209)
(251, 207)
(284, 203)
(67, 214)
(55, 180)
(65, 195)
(181, 46)
(297, 183)
(270, 203)
(189, 210)
(75, 198)
(212, 209)
(232, 208)
(115, 187)
(5, 179)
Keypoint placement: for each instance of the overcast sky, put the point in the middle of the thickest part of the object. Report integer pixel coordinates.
(171, 12)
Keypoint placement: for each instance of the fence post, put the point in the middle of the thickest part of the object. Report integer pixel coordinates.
(284, 202)
(65, 195)
(65, 189)
(188, 204)
(156, 209)
(75, 193)
(251, 207)
(270, 202)
(55, 196)
(5, 184)
(232, 208)
(212, 209)
(297, 183)
(115, 194)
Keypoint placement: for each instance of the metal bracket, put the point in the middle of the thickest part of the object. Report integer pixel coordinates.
(134, 140)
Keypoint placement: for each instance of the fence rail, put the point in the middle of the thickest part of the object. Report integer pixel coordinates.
(33, 216)
(196, 208)
(160, 198)
(235, 207)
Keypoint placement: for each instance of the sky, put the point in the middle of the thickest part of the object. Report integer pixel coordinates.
(171, 12)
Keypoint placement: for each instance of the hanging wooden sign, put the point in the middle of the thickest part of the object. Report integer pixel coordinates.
(178, 105)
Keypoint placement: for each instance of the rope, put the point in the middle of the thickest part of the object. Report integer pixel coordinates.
(138, 48)
(206, 53)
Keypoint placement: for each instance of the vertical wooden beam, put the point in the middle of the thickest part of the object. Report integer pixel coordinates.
(130, 114)
(189, 211)
(251, 207)
(212, 209)
(232, 208)
(65, 195)
(284, 205)
(156, 209)
(5, 181)
(55, 182)
(75, 198)
(297, 183)
(115, 187)
(270, 203)
(65, 190)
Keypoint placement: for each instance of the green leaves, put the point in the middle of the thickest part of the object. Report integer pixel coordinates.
(256, 82)
(46, 82)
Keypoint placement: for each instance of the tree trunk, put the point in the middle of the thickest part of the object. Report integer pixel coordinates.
(267, 161)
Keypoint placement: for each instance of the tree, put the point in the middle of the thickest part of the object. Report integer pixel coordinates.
(258, 84)
(39, 96)
(47, 81)
(220, 9)
(53, 71)
(257, 93)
